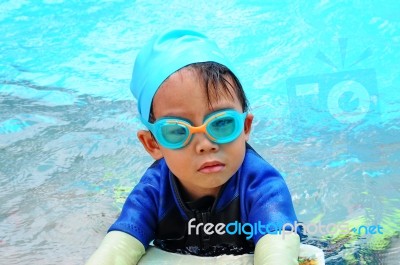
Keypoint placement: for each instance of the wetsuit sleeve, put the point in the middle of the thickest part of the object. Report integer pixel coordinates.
(276, 249)
(139, 214)
(268, 201)
(117, 248)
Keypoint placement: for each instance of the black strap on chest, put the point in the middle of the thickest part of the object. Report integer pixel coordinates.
(173, 230)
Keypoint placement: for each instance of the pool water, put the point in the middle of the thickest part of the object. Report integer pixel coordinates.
(322, 79)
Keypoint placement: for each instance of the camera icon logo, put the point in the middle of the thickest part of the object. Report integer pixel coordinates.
(332, 102)
(356, 105)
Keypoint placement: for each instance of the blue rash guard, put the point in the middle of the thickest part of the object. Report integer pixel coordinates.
(255, 194)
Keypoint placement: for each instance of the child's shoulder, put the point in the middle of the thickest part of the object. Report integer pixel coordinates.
(256, 168)
(251, 152)
(254, 159)
(155, 174)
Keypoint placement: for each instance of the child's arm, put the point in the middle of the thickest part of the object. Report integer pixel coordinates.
(267, 201)
(117, 248)
(274, 249)
(128, 237)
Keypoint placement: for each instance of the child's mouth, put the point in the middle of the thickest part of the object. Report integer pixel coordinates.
(211, 167)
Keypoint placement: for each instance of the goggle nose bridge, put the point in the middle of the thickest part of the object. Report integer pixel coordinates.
(199, 129)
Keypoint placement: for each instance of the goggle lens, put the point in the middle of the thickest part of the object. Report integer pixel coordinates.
(221, 127)
(174, 133)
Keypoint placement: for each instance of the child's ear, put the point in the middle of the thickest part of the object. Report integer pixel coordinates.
(247, 125)
(150, 144)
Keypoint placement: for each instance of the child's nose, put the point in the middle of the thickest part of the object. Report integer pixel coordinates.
(203, 144)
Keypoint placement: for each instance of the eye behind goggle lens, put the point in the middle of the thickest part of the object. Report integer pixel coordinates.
(224, 129)
(174, 133)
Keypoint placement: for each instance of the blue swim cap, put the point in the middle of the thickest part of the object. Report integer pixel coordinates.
(165, 54)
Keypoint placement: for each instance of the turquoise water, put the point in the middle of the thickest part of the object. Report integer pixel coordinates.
(323, 81)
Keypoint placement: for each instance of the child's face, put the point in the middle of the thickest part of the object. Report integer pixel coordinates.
(202, 166)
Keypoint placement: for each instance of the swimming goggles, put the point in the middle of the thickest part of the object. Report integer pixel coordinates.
(220, 127)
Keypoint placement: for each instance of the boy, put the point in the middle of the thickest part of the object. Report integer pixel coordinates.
(206, 178)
